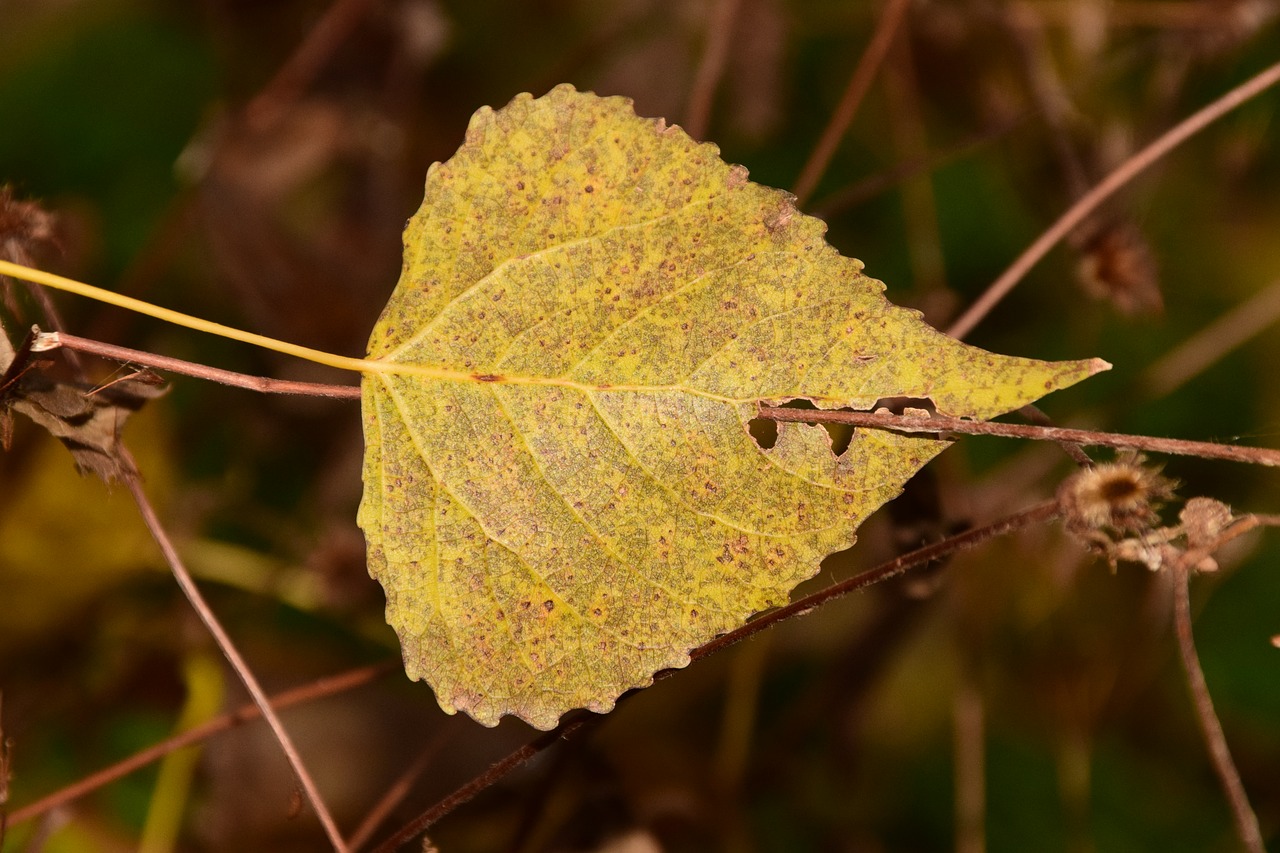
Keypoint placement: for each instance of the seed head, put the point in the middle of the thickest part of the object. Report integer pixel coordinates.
(1121, 496)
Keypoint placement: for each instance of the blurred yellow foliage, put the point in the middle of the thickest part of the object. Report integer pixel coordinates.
(65, 539)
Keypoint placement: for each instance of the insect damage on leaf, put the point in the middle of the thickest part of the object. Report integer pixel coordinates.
(562, 494)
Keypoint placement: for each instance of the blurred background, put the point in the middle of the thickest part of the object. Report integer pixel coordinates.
(254, 164)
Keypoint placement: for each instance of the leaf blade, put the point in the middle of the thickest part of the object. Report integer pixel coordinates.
(622, 301)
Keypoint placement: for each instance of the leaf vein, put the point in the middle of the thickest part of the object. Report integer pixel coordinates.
(501, 268)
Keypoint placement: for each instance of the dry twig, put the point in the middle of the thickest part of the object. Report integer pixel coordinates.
(228, 648)
(1090, 201)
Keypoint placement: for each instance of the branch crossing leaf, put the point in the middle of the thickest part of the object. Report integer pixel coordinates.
(562, 496)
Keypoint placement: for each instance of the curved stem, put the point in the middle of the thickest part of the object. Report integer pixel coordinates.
(232, 654)
(1215, 739)
(857, 88)
(1090, 201)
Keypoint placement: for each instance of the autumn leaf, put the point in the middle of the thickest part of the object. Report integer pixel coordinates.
(562, 495)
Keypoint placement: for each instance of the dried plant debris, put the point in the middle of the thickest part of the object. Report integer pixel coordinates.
(27, 231)
(1115, 508)
(24, 226)
(86, 418)
(1120, 497)
(1117, 265)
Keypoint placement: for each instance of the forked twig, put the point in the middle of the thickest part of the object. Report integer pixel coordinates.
(1215, 739)
(1246, 820)
(1090, 201)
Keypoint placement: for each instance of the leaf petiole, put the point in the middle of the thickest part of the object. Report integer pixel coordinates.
(128, 303)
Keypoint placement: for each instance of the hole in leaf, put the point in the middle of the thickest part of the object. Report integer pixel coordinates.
(898, 405)
(840, 435)
(764, 432)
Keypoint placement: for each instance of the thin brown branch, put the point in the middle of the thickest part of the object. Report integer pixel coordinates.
(884, 571)
(871, 186)
(494, 774)
(47, 341)
(707, 77)
(229, 651)
(306, 61)
(60, 340)
(1033, 414)
(892, 568)
(319, 689)
(859, 84)
(911, 140)
(398, 791)
(942, 423)
(1215, 739)
(1090, 201)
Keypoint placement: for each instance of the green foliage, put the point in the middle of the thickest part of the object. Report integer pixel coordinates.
(101, 112)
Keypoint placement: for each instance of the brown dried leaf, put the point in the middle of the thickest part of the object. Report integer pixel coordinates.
(87, 420)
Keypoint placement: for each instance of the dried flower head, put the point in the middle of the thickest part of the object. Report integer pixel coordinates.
(1203, 520)
(1116, 264)
(1121, 496)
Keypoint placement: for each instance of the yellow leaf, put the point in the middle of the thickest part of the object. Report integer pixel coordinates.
(562, 496)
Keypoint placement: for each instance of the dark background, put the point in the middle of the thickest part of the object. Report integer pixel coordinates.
(186, 168)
